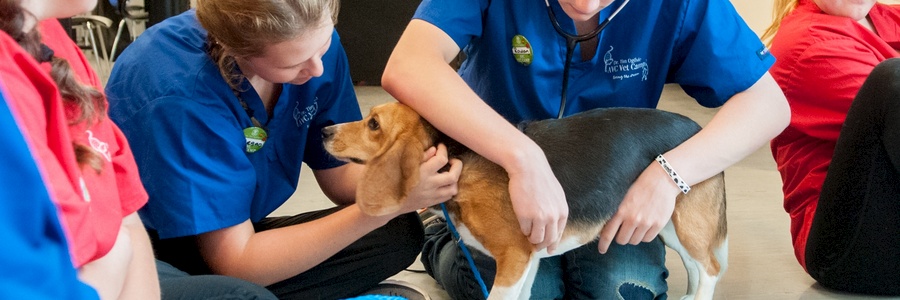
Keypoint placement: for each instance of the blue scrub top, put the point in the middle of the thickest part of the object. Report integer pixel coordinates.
(34, 260)
(185, 126)
(704, 46)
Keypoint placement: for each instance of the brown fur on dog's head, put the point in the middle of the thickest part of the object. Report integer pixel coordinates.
(390, 141)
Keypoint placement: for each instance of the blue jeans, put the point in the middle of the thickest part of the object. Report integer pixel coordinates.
(178, 285)
(624, 272)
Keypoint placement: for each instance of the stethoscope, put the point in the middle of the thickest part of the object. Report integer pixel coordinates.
(571, 42)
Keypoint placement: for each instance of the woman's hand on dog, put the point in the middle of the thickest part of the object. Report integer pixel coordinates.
(646, 209)
(539, 203)
(434, 186)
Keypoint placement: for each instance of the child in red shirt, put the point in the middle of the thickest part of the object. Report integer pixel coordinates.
(89, 168)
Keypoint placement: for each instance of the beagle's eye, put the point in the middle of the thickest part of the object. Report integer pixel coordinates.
(373, 124)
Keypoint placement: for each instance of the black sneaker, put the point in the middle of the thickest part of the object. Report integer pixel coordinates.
(395, 290)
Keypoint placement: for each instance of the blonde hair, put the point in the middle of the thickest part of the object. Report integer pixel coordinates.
(781, 9)
(245, 27)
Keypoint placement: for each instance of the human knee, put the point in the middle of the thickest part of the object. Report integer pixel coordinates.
(636, 290)
(624, 272)
(888, 72)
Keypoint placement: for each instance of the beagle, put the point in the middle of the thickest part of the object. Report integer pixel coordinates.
(596, 155)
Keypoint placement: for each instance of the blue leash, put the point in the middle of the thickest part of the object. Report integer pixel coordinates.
(465, 251)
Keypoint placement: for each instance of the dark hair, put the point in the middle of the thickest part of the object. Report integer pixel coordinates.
(90, 102)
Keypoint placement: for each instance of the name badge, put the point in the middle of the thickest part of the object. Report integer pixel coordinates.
(256, 138)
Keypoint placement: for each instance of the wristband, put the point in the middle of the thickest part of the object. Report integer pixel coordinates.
(684, 187)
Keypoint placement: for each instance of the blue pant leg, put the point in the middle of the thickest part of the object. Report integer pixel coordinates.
(549, 282)
(624, 272)
(178, 285)
(446, 263)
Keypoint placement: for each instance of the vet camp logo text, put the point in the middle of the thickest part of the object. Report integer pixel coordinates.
(304, 115)
(625, 68)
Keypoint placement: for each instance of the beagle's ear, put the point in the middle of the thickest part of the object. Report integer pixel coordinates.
(389, 177)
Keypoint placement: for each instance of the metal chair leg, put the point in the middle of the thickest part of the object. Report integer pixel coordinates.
(90, 32)
(115, 45)
(106, 60)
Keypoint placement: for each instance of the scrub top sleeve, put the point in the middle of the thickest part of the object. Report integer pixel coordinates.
(192, 162)
(462, 20)
(340, 105)
(716, 54)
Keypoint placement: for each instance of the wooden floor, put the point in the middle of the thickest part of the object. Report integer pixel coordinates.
(761, 262)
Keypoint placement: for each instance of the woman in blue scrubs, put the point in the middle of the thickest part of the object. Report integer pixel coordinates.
(222, 106)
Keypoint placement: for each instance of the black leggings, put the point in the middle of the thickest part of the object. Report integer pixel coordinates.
(854, 241)
(352, 271)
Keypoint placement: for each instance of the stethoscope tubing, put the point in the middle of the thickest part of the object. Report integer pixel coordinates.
(571, 41)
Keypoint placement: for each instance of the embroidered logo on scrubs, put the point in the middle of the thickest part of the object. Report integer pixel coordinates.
(521, 50)
(303, 116)
(99, 146)
(625, 68)
(256, 138)
(762, 53)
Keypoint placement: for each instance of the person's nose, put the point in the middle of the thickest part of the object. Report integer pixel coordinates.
(314, 69)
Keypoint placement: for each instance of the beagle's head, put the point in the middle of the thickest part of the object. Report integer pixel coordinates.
(390, 141)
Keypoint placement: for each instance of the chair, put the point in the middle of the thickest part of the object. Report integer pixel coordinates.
(91, 28)
(131, 15)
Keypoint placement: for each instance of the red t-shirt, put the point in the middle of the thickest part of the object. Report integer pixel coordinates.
(91, 218)
(116, 191)
(36, 103)
(822, 61)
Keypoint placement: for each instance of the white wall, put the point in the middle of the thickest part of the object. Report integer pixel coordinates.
(757, 13)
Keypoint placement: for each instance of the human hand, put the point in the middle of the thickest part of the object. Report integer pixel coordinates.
(540, 204)
(434, 187)
(646, 209)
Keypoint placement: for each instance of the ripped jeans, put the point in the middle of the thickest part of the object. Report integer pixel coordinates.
(624, 272)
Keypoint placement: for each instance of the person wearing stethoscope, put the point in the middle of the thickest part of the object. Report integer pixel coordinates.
(538, 59)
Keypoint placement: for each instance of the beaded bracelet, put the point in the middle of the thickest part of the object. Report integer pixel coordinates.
(685, 188)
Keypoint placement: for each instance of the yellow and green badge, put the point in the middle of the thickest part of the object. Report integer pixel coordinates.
(521, 50)
(256, 138)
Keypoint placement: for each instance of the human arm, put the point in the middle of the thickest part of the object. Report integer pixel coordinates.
(128, 270)
(274, 255)
(747, 121)
(339, 183)
(418, 75)
(141, 279)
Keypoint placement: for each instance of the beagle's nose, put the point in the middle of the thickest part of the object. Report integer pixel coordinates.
(327, 132)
